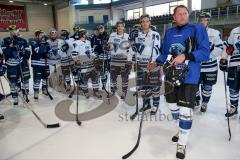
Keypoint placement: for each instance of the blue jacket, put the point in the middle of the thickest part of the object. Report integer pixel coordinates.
(174, 43)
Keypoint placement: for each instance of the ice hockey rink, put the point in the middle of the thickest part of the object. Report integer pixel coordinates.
(111, 135)
(107, 133)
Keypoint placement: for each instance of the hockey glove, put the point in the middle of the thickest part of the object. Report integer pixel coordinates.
(138, 47)
(65, 47)
(223, 65)
(97, 64)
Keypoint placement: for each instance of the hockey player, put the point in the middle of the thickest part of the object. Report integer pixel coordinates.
(232, 51)
(16, 52)
(67, 63)
(85, 64)
(39, 62)
(54, 41)
(188, 46)
(209, 69)
(146, 45)
(120, 58)
(98, 42)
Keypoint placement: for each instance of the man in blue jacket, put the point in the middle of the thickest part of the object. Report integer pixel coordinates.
(184, 47)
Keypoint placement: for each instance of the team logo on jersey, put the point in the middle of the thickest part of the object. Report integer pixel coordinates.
(87, 48)
(74, 45)
(116, 40)
(115, 46)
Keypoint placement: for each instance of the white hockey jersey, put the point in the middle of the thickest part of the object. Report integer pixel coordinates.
(234, 40)
(152, 43)
(216, 48)
(66, 57)
(54, 53)
(119, 52)
(83, 56)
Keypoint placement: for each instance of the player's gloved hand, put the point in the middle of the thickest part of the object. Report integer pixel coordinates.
(97, 64)
(223, 65)
(21, 51)
(98, 49)
(137, 47)
(88, 53)
(128, 66)
(65, 47)
(107, 47)
(151, 66)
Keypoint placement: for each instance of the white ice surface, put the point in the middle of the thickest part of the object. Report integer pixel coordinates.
(22, 137)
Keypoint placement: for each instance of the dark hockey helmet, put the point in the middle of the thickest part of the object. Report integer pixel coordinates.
(100, 27)
(64, 34)
(206, 15)
(76, 28)
(38, 32)
(80, 33)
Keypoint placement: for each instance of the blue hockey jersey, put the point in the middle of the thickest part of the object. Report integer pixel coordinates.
(40, 53)
(15, 50)
(174, 43)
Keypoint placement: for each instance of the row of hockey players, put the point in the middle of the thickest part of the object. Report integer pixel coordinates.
(76, 55)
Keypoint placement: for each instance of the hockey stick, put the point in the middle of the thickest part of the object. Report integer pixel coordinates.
(139, 134)
(49, 95)
(73, 91)
(5, 96)
(132, 117)
(55, 125)
(74, 87)
(104, 87)
(78, 84)
(22, 77)
(225, 88)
